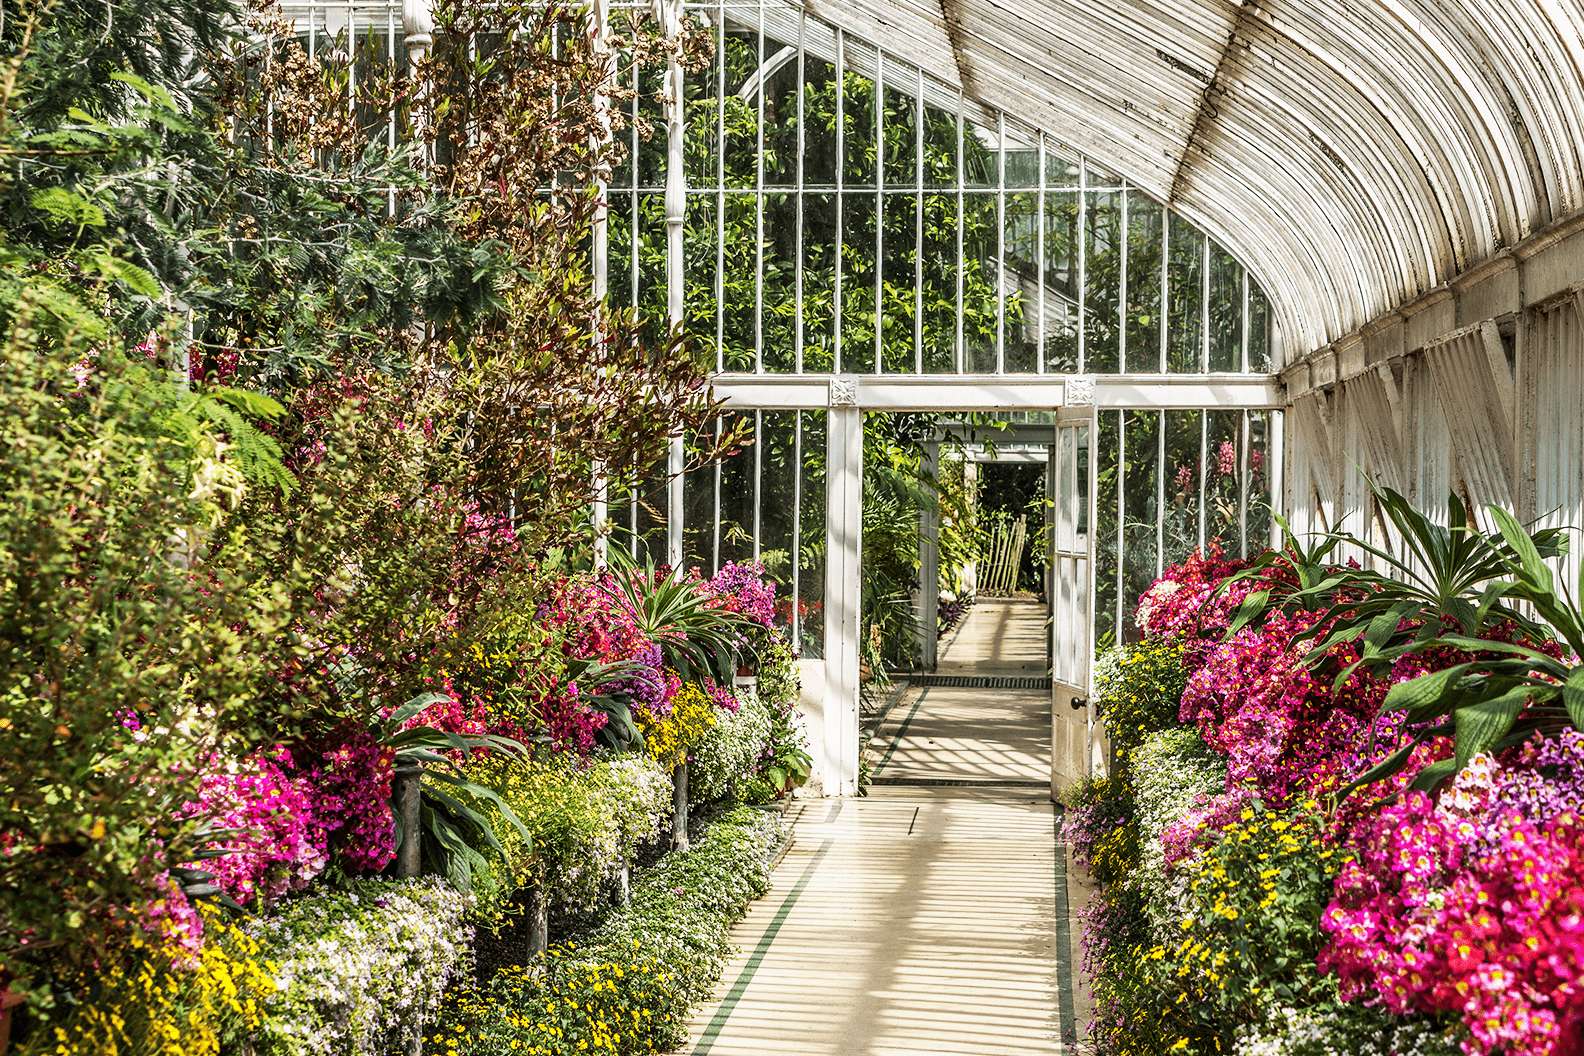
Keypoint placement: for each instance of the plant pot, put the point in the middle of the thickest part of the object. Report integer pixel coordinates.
(8, 1001)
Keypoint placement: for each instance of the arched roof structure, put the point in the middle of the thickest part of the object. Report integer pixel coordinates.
(1356, 154)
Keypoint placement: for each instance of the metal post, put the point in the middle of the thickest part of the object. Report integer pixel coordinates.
(599, 247)
(929, 564)
(406, 789)
(679, 808)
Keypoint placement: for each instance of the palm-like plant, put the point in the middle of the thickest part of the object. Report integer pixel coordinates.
(697, 637)
(1516, 688)
(454, 834)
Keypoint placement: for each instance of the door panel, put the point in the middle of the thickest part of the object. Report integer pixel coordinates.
(1072, 623)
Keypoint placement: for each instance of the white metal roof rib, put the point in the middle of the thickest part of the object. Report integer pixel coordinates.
(1354, 153)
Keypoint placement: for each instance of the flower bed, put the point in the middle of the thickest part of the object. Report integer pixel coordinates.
(1296, 858)
(629, 986)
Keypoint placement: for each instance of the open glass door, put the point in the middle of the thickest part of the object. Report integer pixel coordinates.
(1072, 623)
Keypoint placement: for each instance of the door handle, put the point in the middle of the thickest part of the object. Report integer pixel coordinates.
(1079, 703)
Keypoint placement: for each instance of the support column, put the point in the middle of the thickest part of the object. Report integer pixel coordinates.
(929, 564)
(599, 251)
(835, 738)
(668, 13)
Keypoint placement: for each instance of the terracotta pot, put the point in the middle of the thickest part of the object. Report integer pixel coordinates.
(8, 1001)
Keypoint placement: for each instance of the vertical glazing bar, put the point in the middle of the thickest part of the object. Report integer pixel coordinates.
(841, 165)
(918, 225)
(720, 186)
(633, 234)
(1092, 536)
(797, 264)
(1165, 289)
(1204, 305)
(1000, 293)
(1083, 270)
(758, 489)
(715, 561)
(1245, 463)
(1121, 528)
(1160, 493)
(879, 213)
(1204, 470)
(390, 115)
(1039, 250)
(797, 525)
(759, 201)
(958, 336)
(351, 51)
(1244, 330)
(1122, 285)
(1276, 459)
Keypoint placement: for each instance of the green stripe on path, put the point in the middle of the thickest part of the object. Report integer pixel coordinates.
(901, 732)
(1064, 976)
(740, 985)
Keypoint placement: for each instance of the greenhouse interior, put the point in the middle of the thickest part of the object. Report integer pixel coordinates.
(792, 527)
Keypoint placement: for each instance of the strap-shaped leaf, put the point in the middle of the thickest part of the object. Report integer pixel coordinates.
(1573, 696)
(1426, 689)
(1249, 609)
(1479, 726)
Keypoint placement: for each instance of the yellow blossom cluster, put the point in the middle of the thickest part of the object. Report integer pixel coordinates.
(670, 739)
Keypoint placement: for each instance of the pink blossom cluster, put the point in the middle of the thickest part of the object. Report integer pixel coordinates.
(598, 625)
(273, 838)
(742, 588)
(281, 814)
(1185, 602)
(1473, 904)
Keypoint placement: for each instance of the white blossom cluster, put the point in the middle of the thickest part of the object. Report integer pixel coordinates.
(1171, 773)
(1343, 1030)
(361, 970)
(730, 749)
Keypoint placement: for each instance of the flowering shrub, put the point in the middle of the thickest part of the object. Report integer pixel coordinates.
(1329, 1029)
(1170, 773)
(1138, 689)
(629, 986)
(164, 998)
(670, 738)
(1474, 903)
(730, 750)
(357, 972)
(583, 820)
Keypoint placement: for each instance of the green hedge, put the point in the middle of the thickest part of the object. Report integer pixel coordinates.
(629, 986)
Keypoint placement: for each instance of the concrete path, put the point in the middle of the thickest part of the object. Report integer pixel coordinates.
(928, 918)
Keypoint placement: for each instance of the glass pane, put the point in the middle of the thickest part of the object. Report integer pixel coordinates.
(1185, 299)
(741, 115)
(811, 547)
(940, 283)
(1022, 159)
(819, 115)
(899, 282)
(619, 269)
(737, 277)
(1141, 477)
(1061, 172)
(1021, 333)
(981, 283)
(698, 516)
(701, 89)
(819, 280)
(651, 508)
(776, 508)
(780, 282)
(1061, 281)
(1226, 310)
(1102, 278)
(780, 114)
(858, 117)
(737, 497)
(1259, 482)
(1222, 459)
(901, 127)
(981, 144)
(652, 260)
(1259, 338)
(858, 276)
(1145, 217)
(940, 148)
(1107, 461)
(1181, 515)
